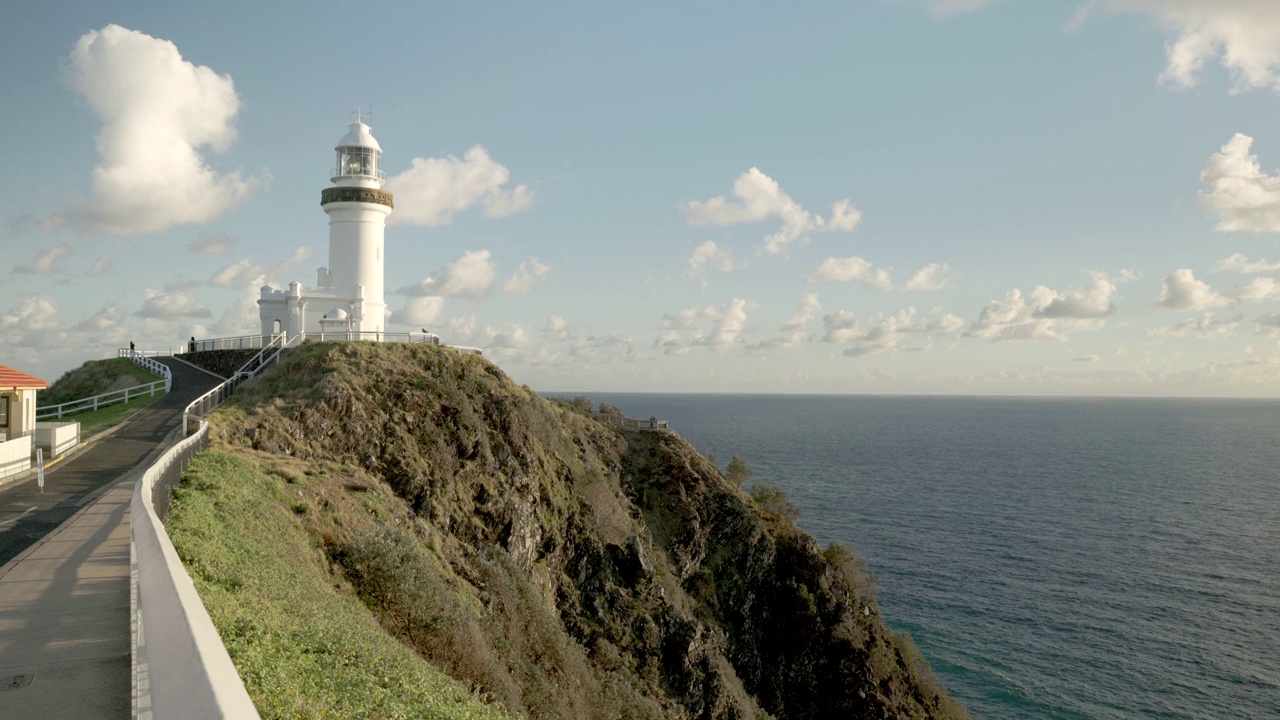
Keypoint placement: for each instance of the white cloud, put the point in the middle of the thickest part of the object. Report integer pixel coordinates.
(1207, 326)
(887, 333)
(794, 332)
(1046, 314)
(46, 261)
(211, 243)
(421, 310)
(469, 276)
(1237, 262)
(757, 197)
(158, 111)
(931, 277)
(1237, 190)
(1242, 35)
(527, 277)
(432, 190)
(689, 328)
(173, 301)
(1182, 291)
(244, 273)
(711, 255)
(1259, 289)
(852, 268)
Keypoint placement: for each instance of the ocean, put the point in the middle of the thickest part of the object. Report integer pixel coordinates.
(1053, 558)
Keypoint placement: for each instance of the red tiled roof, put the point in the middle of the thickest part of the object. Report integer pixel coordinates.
(10, 378)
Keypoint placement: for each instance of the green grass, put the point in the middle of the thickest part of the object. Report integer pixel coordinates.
(93, 422)
(304, 646)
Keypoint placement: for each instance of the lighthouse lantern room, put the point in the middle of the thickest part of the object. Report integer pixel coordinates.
(348, 296)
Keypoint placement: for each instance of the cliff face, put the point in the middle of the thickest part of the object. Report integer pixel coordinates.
(567, 568)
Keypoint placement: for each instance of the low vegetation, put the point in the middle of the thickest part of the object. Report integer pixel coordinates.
(304, 644)
(365, 500)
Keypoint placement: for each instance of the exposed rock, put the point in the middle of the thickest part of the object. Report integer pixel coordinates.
(681, 591)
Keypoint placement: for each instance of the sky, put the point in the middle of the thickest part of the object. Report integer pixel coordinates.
(1002, 197)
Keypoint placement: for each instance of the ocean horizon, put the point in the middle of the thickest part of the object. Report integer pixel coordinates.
(1053, 557)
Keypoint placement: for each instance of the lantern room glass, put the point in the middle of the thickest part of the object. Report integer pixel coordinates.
(358, 161)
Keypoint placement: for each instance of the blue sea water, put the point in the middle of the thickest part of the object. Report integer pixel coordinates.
(1053, 558)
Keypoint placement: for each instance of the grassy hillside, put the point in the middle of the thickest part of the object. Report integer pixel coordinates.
(94, 378)
(564, 568)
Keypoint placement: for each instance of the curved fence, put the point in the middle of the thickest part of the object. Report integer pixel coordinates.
(55, 412)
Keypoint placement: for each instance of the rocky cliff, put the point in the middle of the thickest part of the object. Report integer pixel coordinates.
(564, 567)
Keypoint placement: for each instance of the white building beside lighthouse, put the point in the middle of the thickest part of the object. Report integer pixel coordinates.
(348, 295)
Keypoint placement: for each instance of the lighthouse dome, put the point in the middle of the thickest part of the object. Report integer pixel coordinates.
(358, 135)
(336, 314)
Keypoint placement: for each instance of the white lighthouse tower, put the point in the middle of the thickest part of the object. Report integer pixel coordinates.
(348, 297)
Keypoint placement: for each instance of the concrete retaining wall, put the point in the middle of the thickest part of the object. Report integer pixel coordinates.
(181, 668)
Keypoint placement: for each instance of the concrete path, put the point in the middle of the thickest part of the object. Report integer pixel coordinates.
(64, 582)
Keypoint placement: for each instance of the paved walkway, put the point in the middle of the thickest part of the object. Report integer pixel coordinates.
(64, 578)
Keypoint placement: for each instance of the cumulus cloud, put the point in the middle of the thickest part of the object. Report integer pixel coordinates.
(1182, 291)
(1239, 263)
(1241, 35)
(835, 269)
(1208, 325)
(709, 255)
(421, 311)
(469, 276)
(931, 277)
(715, 327)
(46, 261)
(32, 333)
(794, 332)
(886, 333)
(244, 273)
(1257, 290)
(211, 243)
(758, 197)
(1237, 190)
(158, 113)
(527, 277)
(1046, 314)
(173, 301)
(432, 190)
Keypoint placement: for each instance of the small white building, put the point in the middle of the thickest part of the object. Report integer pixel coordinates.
(17, 419)
(348, 295)
(18, 402)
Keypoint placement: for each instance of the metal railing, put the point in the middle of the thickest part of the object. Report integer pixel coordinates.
(254, 342)
(200, 408)
(629, 423)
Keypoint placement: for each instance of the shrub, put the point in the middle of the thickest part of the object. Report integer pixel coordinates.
(387, 567)
(738, 472)
(607, 409)
(774, 500)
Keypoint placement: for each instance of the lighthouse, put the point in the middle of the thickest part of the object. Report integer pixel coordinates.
(348, 296)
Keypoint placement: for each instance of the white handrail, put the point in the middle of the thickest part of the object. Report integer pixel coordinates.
(203, 405)
(181, 668)
(102, 400)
